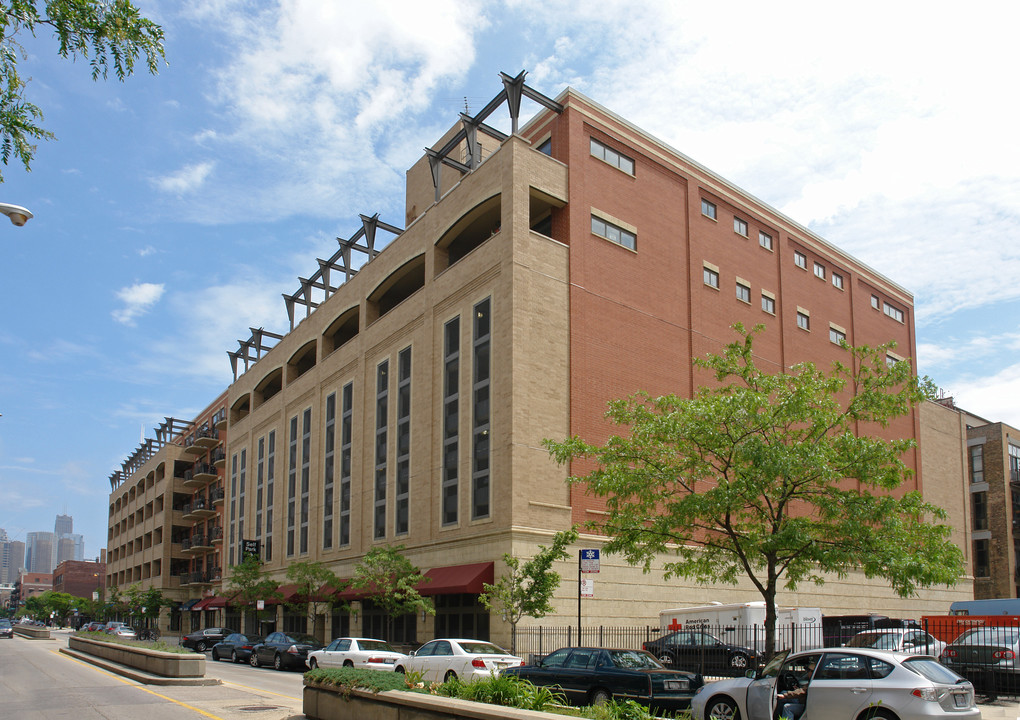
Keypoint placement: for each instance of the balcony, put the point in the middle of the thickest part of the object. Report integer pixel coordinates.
(216, 535)
(200, 475)
(196, 578)
(219, 458)
(186, 545)
(200, 542)
(216, 496)
(203, 440)
(189, 512)
(219, 420)
(202, 508)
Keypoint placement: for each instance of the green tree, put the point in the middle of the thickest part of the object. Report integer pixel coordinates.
(249, 583)
(311, 577)
(779, 478)
(390, 579)
(527, 587)
(145, 605)
(110, 34)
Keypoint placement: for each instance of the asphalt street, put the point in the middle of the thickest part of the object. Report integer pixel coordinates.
(37, 682)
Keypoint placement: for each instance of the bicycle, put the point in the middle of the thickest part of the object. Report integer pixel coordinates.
(149, 634)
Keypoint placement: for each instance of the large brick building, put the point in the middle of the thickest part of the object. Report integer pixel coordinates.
(166, 505)
(80, 578)
(537, 276)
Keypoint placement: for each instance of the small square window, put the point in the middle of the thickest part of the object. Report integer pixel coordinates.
(743, 293)
(837, 280)
(875, 302)
(740, 226)
(708, 209)
(765, 240)
(711, 277)
(800, 259)
(819, 271)
(768, 304)
(836, 336)
(803, 321)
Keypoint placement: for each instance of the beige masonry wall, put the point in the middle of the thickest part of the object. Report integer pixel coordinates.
(524, 274)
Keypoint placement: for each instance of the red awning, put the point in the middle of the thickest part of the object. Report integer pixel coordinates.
(216, 602)
(456, 579)
(292, 593)
(201, 604)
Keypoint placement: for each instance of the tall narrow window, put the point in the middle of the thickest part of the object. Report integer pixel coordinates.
(381, 430)
(451, 420)
(260, 480)
(480, 493)
(401, 523)
(740, 226)
(241, 475)
(327, 473)
(1014, 463)
(977, 463)
(979, 502)
(232, 534)
(270, 477)
(803, 321)
(346, 434)
(765, 240)
(799, 259)
(306, 468)
(292, 467)
(743, 293)
(708, 209)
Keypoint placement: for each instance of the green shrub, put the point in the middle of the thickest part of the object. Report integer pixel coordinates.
(160, 645)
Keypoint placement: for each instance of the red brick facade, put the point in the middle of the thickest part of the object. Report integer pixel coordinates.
(638, 317)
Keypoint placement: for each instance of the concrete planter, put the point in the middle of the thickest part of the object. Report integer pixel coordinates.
(154, 662)
(32, 632)
(324, 702)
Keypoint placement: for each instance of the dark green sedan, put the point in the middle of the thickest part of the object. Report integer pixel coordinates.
(591, 676)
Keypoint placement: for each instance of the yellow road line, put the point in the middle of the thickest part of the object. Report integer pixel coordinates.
(270, 692)
(127, 681)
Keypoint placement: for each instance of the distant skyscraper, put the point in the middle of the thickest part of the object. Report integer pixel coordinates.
(65, 549)
(12, 560)
(40, 552)
(63, 526)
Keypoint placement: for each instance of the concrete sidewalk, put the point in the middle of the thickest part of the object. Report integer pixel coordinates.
(1004, 709)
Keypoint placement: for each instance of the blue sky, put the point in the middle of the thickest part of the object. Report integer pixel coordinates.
(173, 211)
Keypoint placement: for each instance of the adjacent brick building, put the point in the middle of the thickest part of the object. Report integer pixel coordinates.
(80, 578)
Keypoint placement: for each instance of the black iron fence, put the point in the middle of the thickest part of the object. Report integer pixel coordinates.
(985, 650)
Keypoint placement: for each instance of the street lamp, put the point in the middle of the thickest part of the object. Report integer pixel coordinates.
(18, 215)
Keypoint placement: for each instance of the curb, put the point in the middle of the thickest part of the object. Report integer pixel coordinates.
(137, 675)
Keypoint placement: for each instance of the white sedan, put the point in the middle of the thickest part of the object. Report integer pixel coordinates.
(444, 659)
(910, 641)
(356, 652)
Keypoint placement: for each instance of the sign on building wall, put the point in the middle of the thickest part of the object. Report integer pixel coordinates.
(251, 547)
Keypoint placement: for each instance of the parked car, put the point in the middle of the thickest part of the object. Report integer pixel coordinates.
(591, 676)
(6, 629)
(445, 658)
(236, 646)
(94, 626)
(202, 639)
(702, 652)
(987, 656)
(356, 652)
(284, 650)
(843, 684)
(912, 642)
(125, 632)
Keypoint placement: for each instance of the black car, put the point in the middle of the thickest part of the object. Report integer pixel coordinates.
(702, 652)
(199, 641)
(6, 629)
(592, 676)
(236, 646)
(284, 650)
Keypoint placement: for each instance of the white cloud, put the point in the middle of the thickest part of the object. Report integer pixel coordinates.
(137, 299)
(993, 397)
(188, 179)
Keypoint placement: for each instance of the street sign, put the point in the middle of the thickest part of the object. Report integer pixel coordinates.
(589, 561)
(251, 547)
(587, 588)
(260, 604)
